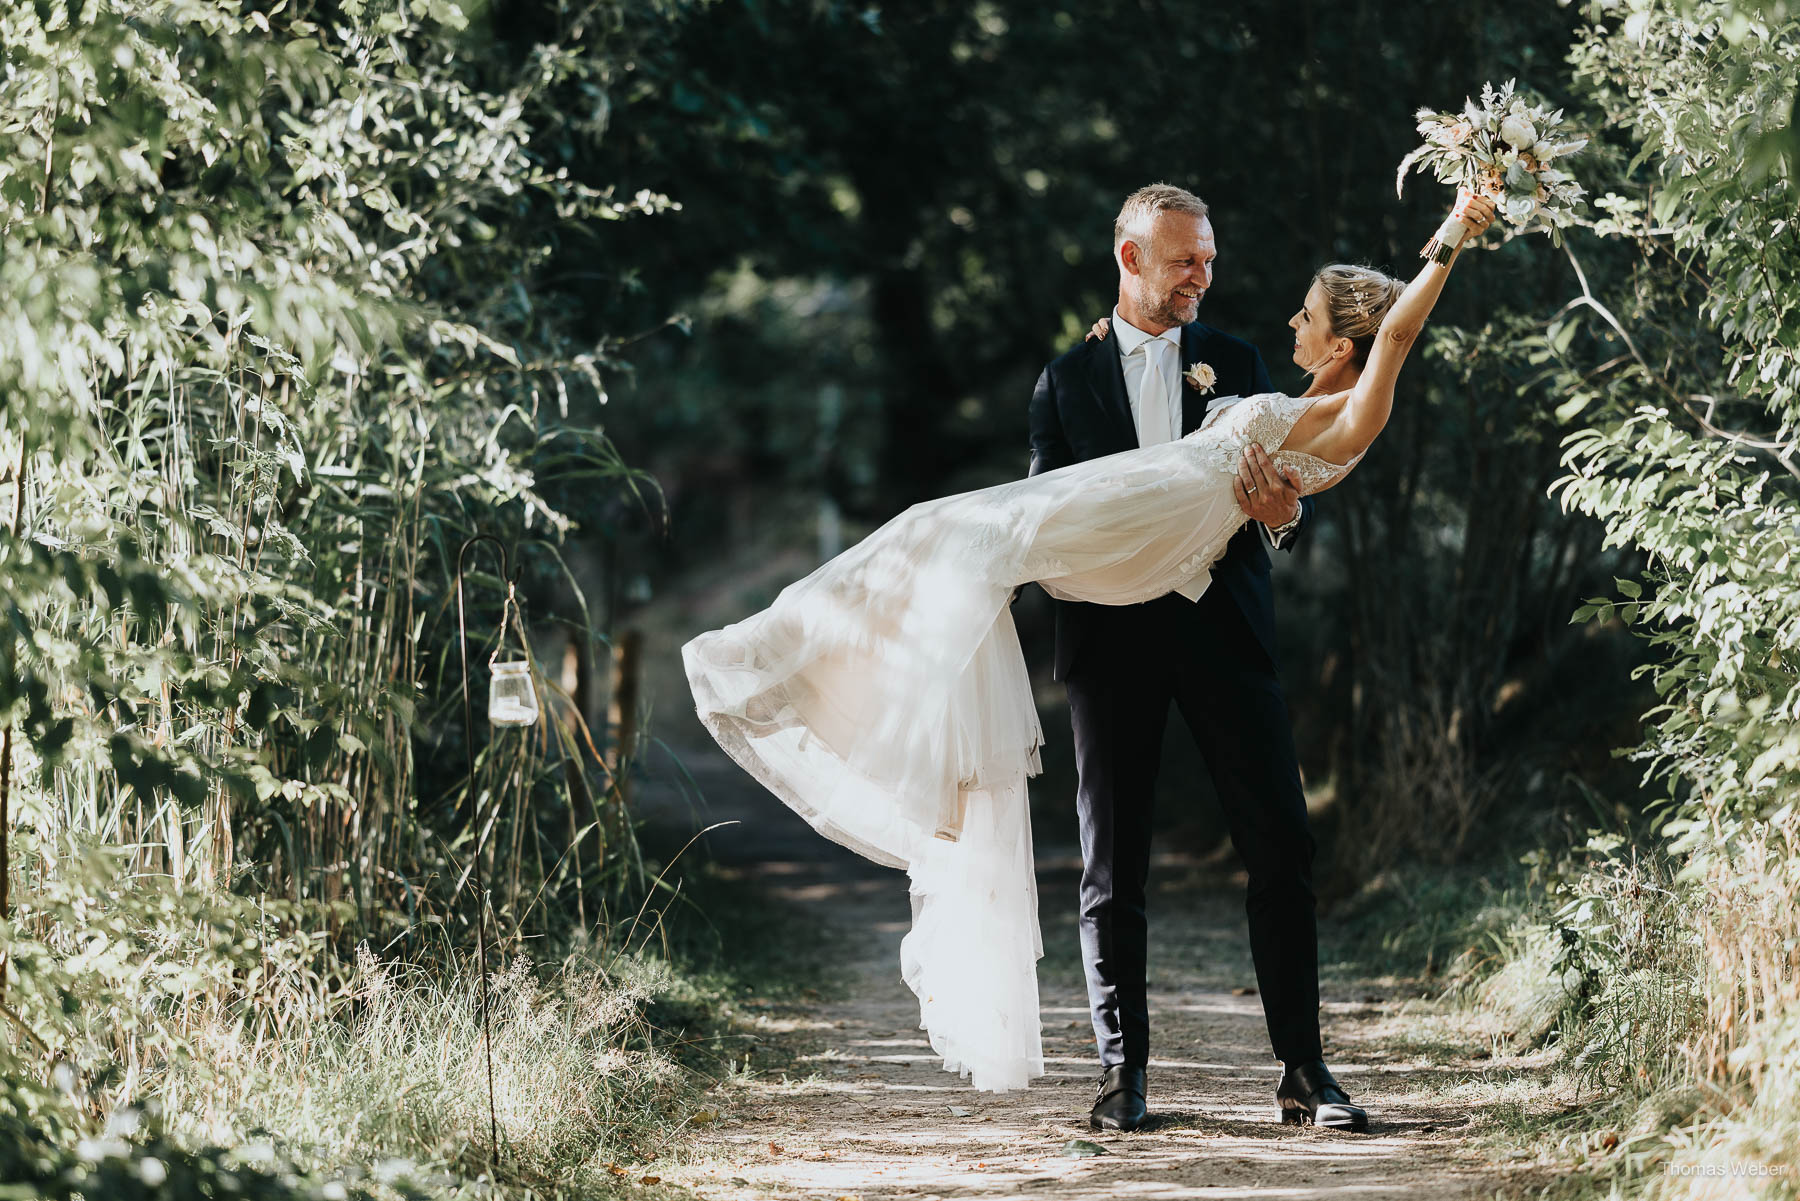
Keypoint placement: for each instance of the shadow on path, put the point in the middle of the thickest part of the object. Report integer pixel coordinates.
(864, 1109)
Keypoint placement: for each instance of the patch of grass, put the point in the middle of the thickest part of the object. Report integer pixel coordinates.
(1444, 927)
(1590, 1146)
(193, 1040)
(1599, 959)
(602, 1050)
(581, 1082)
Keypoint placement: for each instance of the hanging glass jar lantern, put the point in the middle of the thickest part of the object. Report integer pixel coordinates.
(512, 701)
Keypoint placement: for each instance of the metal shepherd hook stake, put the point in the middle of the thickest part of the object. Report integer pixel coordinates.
(513, 703)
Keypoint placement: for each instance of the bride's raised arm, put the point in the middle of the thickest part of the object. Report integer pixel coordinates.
(1346, 430)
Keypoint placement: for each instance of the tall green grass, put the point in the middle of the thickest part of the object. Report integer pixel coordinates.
(216, 1021)
(1664, 994)
(581, 1081)
(280, 330)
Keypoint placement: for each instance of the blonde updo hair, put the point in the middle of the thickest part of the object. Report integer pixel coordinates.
(1356, 299)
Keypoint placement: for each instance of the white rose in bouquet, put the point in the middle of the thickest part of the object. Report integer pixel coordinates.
(1517, 132)
(1519, 209)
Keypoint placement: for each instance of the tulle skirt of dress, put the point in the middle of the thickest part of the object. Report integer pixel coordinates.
(885, 699)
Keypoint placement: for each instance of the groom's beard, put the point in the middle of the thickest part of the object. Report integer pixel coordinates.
(1173, 309)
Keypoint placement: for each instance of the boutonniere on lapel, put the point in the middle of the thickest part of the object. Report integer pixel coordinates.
(1200, 376)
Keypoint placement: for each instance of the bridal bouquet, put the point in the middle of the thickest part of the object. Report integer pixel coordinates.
(1502, 148)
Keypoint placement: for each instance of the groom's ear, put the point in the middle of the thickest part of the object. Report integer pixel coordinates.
(1130, 257)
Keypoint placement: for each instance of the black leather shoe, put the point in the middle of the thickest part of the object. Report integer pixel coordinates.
(1119, 1105)
(1309, 1093)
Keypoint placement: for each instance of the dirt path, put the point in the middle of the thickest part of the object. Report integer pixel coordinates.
(854, 1104)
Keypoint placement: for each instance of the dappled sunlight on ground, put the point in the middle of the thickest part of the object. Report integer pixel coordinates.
(860, 1107)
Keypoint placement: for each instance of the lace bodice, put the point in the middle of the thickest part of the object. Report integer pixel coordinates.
(1233, 422)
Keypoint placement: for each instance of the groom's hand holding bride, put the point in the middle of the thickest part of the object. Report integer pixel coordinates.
(1265, 491)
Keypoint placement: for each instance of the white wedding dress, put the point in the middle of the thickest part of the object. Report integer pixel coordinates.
(885, 699)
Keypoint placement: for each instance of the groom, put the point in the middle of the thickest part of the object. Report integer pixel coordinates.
(1209, 650)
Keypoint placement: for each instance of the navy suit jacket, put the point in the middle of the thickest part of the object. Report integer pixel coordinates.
(1080, 411)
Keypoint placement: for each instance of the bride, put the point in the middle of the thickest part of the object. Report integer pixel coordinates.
(885, 698)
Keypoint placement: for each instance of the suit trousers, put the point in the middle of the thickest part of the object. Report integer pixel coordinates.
(1204, 658)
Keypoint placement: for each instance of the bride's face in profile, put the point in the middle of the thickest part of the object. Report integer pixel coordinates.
(1313, 339)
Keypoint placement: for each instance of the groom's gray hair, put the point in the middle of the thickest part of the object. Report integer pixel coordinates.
(1139, 211)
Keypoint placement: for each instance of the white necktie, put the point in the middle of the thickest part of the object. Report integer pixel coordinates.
(1154, 422)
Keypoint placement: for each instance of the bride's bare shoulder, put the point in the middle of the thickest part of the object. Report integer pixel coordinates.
(1331, 403)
